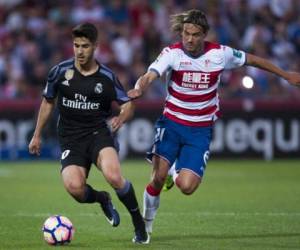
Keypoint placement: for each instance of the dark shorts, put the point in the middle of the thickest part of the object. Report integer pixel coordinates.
(188, 146)
(85, 151)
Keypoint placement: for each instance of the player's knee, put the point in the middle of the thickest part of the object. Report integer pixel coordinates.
(74, 186)
(187, 190)
(76, 189)
(115, 180)
(186, 187)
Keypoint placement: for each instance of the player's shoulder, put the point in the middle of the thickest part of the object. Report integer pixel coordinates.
(209, 46)
(67, 63)
(60, 68)
(172, 49)
(64, 64)
(105, 70)
(175, 46)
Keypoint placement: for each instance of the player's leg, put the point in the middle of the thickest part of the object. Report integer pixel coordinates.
(108, 162)
(75, 169)
(74, 179)
(170, 179)
(153, 189)
(163, 154)
(187, 181)
(192, 160)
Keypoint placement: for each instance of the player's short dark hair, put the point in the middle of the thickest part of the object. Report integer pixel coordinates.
(86, 30)
(193, 16)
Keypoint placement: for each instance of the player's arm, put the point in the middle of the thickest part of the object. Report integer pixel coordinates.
(126, 113)
(142, 84)
(45, 111)
(256, 61)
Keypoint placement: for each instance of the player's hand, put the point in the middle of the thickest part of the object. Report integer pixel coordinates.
(134, 93)
(35, 145)
(115, 123)
(293, 78)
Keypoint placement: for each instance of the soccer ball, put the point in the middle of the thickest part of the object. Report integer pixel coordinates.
(58, 230)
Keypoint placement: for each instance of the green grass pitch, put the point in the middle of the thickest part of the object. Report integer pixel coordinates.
(241, 204)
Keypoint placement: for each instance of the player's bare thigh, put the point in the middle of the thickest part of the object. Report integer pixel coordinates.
(108, 162)
(74, 179)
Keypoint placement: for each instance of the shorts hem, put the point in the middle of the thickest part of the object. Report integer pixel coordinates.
(195, 173)
(150, 155)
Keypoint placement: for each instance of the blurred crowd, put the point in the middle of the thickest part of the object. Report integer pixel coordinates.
(35, 35)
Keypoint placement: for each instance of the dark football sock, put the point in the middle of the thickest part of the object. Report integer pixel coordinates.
(92, 196)
(127, 196)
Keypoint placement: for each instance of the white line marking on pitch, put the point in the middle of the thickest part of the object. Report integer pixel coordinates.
(5, 172)
(200, 214)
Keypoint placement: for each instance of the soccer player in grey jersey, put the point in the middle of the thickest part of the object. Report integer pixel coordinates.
(84, 91)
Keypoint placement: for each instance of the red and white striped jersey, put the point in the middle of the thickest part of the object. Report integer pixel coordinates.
(192, 97)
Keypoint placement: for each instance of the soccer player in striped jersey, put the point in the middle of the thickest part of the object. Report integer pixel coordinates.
(184, 130)
(84, 91)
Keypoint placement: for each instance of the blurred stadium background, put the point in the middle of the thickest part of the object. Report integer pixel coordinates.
(259, 121)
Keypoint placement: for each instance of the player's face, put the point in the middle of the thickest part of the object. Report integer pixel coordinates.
(192, 38)
(83, 50)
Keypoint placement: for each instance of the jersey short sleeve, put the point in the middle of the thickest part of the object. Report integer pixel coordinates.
(233, 58)
(121, 95)
(163, 62)
(50, 91)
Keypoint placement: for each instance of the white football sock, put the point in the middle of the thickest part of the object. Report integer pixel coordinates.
(172, 170)
(151, 204)
(175, 175)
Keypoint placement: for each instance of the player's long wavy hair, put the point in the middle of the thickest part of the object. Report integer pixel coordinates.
(193, 16)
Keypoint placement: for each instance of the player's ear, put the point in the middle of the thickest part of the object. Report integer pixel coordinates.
(95, 45)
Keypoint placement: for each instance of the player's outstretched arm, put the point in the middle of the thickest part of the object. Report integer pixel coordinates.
(142, 84)
(126, 113)
(45, 111)
(256, 61)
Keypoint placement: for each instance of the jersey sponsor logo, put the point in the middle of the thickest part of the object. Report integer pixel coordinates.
(98, 88)
(76, 104)
(69, 74)
(196, 80)
(80, 102)
(65, 154)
